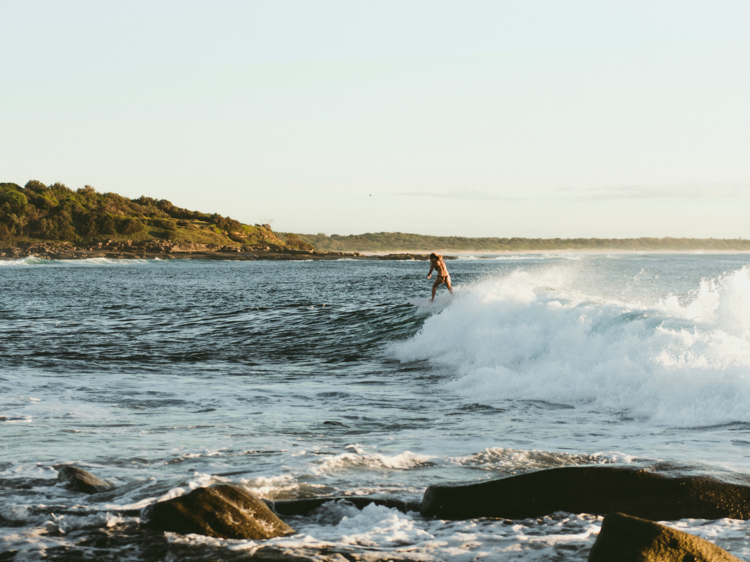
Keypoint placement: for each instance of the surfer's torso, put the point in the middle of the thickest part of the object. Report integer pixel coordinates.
(442, 270)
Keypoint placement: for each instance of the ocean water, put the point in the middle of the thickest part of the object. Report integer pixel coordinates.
(306, 379)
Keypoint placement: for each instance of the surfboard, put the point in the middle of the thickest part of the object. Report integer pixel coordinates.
(420, 302)
(440, 301)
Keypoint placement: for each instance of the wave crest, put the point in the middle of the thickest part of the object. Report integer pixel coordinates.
(374, 461)
(541, 337)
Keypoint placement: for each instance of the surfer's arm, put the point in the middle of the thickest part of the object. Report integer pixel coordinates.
(430, 273)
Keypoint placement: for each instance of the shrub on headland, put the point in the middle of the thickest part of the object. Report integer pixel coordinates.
(225, 223)
(165, 224)
(293, 241)
(130, 225)
(13, 198)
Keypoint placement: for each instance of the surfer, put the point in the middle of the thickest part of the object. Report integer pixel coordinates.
(438, 264)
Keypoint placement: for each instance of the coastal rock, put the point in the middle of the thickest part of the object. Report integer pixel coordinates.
(599, 490)
(225, 512)
(629, 539)
(305, 506)
(82, 481)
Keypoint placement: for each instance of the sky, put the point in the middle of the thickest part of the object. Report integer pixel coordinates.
(525, 118)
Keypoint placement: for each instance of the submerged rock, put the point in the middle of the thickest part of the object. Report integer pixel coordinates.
(82, 481)
(225, 512)
(629, 539)
(599, 490)
(305, 506)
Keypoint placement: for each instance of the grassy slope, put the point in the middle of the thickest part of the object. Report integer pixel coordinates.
(198, 232)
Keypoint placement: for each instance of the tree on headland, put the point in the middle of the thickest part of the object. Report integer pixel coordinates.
(14, 199)
(130, 225)
(296, 243)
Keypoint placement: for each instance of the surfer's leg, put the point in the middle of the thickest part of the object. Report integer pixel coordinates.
(448, 284)
(435, 286)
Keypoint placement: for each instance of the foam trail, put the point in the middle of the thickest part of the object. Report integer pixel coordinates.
(539, 337)
(31, 260)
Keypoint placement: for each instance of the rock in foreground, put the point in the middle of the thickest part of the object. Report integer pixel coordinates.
(82, 481)
(599, 490)
(225, 512)
(629, 539)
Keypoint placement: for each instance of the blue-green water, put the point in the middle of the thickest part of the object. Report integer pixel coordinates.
(301, 379)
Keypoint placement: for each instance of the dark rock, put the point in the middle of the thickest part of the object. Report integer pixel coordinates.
(599, 490)
(629, 539)
(226, 512)
(336, 423)
(307, 505)
(82, 481)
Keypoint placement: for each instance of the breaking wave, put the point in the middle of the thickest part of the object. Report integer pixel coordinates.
(373, 461)
(549, 336)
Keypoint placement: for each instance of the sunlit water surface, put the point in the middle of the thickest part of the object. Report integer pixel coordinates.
(304, 379)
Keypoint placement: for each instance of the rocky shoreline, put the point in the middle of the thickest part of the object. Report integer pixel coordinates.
(128, 249)
(228, 511)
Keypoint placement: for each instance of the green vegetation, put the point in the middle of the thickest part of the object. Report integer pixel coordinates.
(294, 242)
(37, 212)
(399, 241)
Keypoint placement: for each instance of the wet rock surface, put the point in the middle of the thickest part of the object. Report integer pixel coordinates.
(306, 506)
(82, 481)
(226, 512)
(165, 249)
(598, 490)
(630, 539)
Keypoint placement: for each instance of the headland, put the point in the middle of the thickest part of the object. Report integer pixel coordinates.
(56, 222)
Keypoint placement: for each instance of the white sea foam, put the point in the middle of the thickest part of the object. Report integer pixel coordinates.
(29, 470)
(373, 526)
(25, 261)
(514, 461)
(372, 461)
(281, 487)
(32, 260)
(339, 527)
(541, 336)
(342, 528)
(512, 257)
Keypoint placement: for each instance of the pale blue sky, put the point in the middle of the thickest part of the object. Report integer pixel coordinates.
(526, 118)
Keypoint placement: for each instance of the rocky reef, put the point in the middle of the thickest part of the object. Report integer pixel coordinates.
(590, 489)
(232, 512)
(164, 249)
